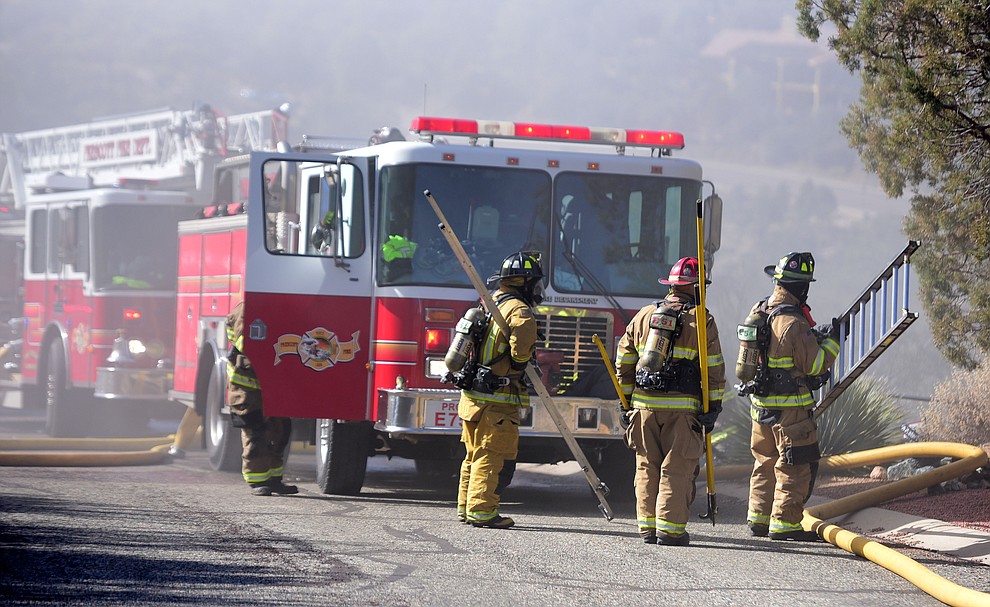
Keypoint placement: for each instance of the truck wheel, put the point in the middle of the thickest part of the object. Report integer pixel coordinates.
(342, 450)
(60, 420)
(223, 441)
(617, 469)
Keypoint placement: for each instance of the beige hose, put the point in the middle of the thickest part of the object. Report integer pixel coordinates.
(53, 452)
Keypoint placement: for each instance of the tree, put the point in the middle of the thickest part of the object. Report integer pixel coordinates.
(922, 124)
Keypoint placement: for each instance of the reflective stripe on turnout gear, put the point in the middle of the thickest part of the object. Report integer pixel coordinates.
(498, 350)
(757, 519)
(240, 373)
(793, 349)
(633, 343)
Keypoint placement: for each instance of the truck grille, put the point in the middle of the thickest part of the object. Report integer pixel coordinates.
(568, 333)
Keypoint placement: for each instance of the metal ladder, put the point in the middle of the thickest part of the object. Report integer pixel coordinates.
(181, 141)
(871, 324)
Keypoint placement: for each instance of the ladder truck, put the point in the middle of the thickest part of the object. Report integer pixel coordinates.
(98, 205)
(348, 333)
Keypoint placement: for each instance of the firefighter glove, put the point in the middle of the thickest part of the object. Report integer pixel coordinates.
(625, 417)
(828, 330)
(707, 420)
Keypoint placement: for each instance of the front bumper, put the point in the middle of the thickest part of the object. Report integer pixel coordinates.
(139, 384)
(411, 412)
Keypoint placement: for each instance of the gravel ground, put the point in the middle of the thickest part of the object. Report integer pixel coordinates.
(965, 508)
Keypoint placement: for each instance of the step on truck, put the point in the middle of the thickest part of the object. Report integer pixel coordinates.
(352, 294)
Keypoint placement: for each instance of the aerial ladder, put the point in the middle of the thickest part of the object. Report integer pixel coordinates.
(164, 149)
(870, 325)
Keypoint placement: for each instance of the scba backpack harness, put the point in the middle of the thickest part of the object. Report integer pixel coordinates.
(752, 367)
(464, 369)
(658, 370)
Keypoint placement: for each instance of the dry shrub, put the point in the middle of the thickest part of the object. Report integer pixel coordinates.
(960, 408)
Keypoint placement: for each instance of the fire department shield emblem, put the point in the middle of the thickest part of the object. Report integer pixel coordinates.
(318, 348)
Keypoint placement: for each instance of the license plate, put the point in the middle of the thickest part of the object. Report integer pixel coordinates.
(441, 414)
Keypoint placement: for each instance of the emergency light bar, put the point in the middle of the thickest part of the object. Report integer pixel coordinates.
(428, 126)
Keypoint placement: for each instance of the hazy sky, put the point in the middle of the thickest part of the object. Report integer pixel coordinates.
(733, 75)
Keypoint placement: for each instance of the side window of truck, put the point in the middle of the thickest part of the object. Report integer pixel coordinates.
(321, 212)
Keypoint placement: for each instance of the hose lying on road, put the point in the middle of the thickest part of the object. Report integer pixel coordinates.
(84, 451)
(937, 586)
(970, 458)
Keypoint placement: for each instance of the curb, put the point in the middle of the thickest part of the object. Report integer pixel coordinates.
(896, 527)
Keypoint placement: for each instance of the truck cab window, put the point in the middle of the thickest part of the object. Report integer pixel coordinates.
(617, 233)
(494, 210)
(323, 216)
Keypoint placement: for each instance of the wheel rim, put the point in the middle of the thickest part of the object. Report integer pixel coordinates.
(216, 421)
(323, 447)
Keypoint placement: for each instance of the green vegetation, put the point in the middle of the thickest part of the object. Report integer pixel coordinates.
(959, 411)
(922, 124)
(865, 416)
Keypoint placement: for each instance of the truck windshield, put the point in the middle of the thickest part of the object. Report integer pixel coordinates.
(494, 211)
(136, 247)
(615, 234)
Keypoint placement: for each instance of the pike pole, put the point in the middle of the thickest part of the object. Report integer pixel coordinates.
(599, 488)
(701, 316)
(611, 372)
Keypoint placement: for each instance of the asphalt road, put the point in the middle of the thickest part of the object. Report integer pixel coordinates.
(181, 534)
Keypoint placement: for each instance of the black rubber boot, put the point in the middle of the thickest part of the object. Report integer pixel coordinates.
(758, 530)
(260, 489)
(668, 539)
(277, 486)
(496, 522)
(795, 536)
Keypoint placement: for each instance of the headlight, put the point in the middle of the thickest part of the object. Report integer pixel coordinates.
(136, 347)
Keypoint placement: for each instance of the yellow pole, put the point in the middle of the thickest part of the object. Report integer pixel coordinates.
(702, 320)
(611, 371)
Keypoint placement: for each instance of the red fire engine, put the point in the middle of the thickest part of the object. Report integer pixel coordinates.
(352, 294)
(100, 204)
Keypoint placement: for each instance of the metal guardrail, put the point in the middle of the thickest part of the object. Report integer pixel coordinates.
(871, 324)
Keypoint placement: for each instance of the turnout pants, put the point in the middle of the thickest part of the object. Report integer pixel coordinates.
(787, 455)
(668, 449)
(263, 439)
(491, 443)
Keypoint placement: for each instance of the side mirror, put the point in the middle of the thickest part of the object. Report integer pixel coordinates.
(712, 210)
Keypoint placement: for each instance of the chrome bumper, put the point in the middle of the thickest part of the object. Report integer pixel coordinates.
(427, 412)
(150, 384)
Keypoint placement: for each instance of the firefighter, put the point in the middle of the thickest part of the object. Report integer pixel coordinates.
(489, 409)
(264, 438)
(660, 375)
(784, 437)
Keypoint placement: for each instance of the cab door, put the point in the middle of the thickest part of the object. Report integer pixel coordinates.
(308, 285)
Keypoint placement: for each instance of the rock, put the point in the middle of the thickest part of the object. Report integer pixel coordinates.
(922, 470)
(936, 490)
(902, 469)
(879, 473)
(953, 485)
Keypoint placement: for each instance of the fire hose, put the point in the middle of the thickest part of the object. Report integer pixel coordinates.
(84, 451)
(970, 458)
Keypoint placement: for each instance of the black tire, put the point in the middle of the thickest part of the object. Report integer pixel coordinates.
(617, 469)
(342, 450)
(61, 421)
(223, 441)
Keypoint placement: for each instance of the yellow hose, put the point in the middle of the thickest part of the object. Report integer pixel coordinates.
(970, 458)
